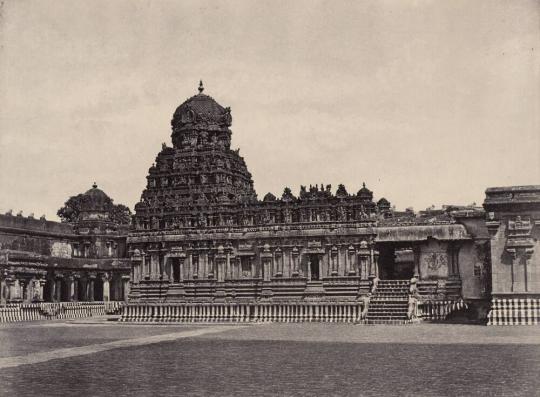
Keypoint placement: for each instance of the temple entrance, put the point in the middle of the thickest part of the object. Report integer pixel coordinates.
(175, 270)
(98, 289)
(48, 291)
(81, 290)
(314, 266)
(395, 263)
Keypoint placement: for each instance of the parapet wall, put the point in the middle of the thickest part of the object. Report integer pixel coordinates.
(31, 224)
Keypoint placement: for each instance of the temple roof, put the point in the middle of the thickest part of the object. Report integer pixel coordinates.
(199, 108)
(95, 199)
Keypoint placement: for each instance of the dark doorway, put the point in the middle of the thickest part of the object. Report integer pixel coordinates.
(81, 290)
(48, 291)
(175, 270)
(314, 259)
(65, 291)
(395, 263)
(98, 289)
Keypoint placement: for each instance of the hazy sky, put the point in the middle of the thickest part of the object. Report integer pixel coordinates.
(428, 102)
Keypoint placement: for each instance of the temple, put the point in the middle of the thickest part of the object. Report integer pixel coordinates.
(202, 237)
(203, 247)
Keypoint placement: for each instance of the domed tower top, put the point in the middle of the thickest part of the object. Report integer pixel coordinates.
(364, 193)
(201, 121)
(95, 204)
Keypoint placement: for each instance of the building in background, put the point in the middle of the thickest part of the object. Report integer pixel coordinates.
(84, 260)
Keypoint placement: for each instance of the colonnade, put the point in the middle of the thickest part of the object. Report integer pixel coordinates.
(230, 263)
(64, 287)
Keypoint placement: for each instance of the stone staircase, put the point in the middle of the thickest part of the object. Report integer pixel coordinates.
(314, 290)
(389, 303)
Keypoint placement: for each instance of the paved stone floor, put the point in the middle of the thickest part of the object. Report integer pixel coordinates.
(99, 357)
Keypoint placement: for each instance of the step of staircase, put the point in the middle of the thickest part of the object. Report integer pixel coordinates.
(389, 303)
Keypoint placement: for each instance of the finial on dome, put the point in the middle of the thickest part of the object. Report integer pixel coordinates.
(363, 184)
(94, 185)
(201, 87)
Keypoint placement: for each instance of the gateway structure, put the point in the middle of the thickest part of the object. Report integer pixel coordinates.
(204, 247)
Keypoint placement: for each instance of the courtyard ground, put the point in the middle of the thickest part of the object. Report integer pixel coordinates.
(98, 357)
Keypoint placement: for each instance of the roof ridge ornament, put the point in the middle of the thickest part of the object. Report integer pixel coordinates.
(94, 185)
(201, 87)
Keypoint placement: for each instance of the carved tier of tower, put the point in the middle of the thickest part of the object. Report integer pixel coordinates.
(200, 182)
(196, 180)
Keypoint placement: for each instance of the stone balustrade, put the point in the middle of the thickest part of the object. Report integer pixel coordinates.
(244, 312)
(514, 311)
(16, 312)
(438, 310)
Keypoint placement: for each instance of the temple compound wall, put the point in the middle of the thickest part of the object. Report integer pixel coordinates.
(45, 261)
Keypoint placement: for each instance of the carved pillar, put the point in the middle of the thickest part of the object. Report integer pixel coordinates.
(513, 258)
(334, 260)
(252, 266)
(527, 266)
(349, 255)
(145, 266)
(203, 263)
(3, 288)
(374, 263)
(228, 265)
(278, 261)
(211, 265)
(222, 259)
(41, 285)
(125, 285)
(154, 266)
(294, 259)
(32, 290)
(23, 290)
(181, 261)
(14, 290)
(266, 259)
(416, 256)
(364, 259)
(90, 287)
(76, 278)
(9, 291)
(71, 288)
(58, 290)
(105, 277)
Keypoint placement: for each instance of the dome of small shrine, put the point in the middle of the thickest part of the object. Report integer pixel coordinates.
(383, 203)
(269, 197)
(95, 199)
(365, 193)
(201, 108)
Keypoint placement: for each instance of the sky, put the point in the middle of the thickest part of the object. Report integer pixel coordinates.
(427, 102)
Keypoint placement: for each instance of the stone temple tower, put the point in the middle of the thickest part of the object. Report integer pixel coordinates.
(195, 182)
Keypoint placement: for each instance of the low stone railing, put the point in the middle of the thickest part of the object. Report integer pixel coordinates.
(243, 312)
(514, 311)
(438, 310)
(14, 312)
